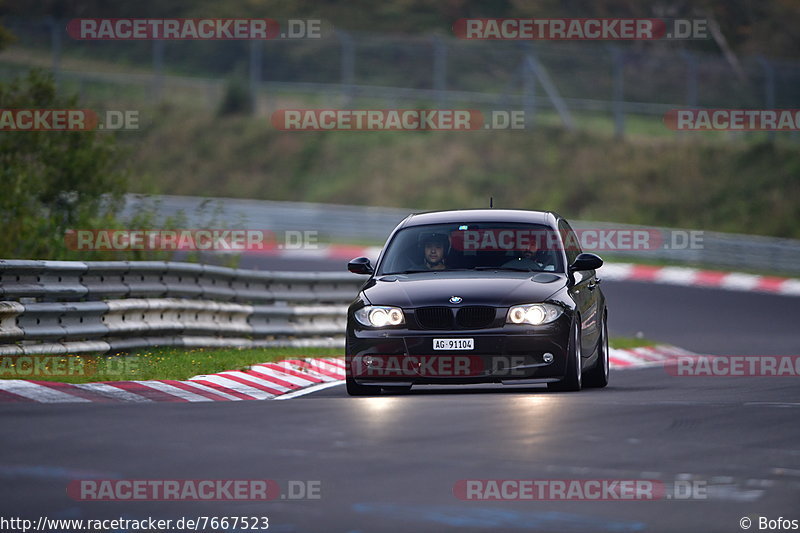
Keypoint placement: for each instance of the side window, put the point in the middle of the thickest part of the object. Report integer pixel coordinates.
(571, 244)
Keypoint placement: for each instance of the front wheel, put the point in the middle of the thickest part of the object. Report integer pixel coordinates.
(597, 377)
(572, 377)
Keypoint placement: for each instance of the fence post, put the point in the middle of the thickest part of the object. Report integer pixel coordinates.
(618, 73)
(256, 55)
(55, 41)
(769, 86)
(541, 75)
(440, 70)
(158, 69)
(691, 77)
(347, 65)
(529, 89)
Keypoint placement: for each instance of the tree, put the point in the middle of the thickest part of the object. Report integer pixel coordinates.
(52, 181)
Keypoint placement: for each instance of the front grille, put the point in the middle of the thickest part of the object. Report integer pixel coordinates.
(471, 317)
(475, 316)
(435, 317)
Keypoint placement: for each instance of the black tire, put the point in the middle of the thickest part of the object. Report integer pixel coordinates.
(572, 378)
(354, 389)
(597, 377)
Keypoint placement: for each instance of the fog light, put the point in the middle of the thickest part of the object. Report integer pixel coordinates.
(548, 357)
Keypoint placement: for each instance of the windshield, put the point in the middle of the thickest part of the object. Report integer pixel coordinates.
(473, 246)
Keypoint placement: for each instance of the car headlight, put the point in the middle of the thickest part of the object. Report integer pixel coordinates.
(534, 314)
(380, 316)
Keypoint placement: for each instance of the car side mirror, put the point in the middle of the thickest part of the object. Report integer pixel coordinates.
(360, 265)
(586, 261)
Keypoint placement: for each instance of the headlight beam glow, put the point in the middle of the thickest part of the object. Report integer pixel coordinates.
(533, 314)
(380, 316)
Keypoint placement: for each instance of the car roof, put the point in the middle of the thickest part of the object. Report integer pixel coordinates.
(548, 218)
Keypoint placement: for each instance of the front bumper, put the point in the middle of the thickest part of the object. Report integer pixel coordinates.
(511, 353)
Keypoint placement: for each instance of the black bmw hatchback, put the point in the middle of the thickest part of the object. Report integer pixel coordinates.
(478, 296)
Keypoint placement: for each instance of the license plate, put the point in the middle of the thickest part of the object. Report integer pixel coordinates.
(453, 344)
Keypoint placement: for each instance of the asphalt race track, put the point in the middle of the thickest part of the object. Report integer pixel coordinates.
(391, 463)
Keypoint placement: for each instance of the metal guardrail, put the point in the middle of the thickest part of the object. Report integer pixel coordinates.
(58, 307)
(342, 223)
(722, 250)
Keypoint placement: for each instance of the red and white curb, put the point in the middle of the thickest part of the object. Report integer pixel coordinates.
(671, 275)
(264, 381)
(659, 355)
(267, 381)
(693, 277)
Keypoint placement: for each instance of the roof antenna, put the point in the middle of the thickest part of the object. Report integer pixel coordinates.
(491, 202)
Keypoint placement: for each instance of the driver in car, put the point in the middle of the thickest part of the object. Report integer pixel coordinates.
(532, 258)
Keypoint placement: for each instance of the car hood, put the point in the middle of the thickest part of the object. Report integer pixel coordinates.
(475, 288)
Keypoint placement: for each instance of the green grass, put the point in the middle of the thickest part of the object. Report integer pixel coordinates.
(625, 343)
(167, 363)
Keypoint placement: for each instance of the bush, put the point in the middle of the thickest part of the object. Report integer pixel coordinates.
(52, 181)
(237, 99)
